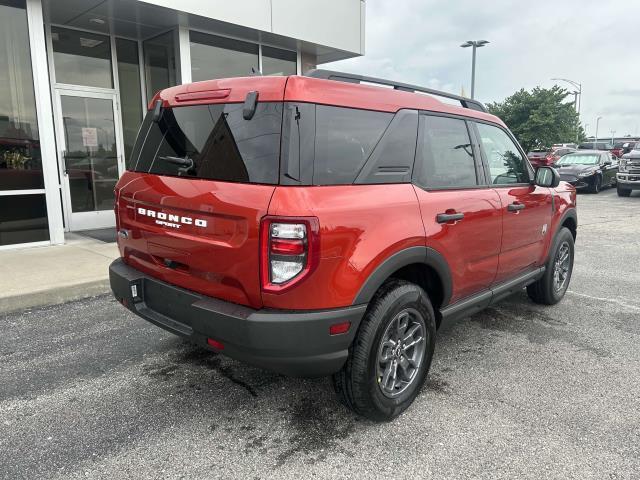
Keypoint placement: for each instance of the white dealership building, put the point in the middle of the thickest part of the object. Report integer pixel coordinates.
(76, 77)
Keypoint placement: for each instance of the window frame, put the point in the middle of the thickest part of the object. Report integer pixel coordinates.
(481, 180)
(485, 162)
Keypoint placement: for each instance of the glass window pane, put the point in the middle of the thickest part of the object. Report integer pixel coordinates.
(81, 58)
(130, 91)
(506, 164)
(278, 62)
(219, 57)
(91, 157)
(160, 63)
(445, 156)
(23, 219)
(20, 161)
(220, 142)
(345, 138)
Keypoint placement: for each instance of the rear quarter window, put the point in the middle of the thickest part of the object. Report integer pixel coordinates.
(345, 138)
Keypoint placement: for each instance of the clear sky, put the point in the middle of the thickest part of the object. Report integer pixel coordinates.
(595, 43)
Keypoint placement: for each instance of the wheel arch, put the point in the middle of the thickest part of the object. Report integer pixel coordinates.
(570, 221)
(423, 266)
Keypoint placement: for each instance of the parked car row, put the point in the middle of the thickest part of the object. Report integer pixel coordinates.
(592, 166)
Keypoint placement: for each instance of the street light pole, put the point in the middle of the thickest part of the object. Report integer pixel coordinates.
(475, 44)
(597, 125)
(577, 103)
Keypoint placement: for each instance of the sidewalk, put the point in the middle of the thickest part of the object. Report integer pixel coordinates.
(37, 276)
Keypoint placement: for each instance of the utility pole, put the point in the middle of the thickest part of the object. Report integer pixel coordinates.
(475, 44)
(577, 102)
(597, 125)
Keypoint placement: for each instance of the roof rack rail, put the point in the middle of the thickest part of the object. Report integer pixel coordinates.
(405, 87)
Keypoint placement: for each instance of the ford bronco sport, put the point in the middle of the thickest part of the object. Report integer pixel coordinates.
(324, 225)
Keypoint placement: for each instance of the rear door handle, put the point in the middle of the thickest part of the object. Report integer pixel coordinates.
(449, 217)
(514, 207)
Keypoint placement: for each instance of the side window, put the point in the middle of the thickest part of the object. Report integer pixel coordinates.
(445, 155)
(392, 159)
(506, 165)
(345, 138)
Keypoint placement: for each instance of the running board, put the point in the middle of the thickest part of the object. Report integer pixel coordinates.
(475, 303)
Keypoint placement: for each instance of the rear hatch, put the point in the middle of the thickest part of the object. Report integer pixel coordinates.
(198, 181)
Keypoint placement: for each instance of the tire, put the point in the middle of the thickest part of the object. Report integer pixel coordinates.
(545, 290)
(359, 384)
(597, 185)
(623, 192)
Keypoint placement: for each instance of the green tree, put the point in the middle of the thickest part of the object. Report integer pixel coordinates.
(539, 118)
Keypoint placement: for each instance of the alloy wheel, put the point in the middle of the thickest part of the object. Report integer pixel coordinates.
(401, 352)
(561, 267)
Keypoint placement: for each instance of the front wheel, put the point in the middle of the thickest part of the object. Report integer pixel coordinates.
(391, 354)
(597, 184)
(550, 289)
(623, 192)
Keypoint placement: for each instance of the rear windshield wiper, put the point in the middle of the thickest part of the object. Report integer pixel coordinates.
(186, 164)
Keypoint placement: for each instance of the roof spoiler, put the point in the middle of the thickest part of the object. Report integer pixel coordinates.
(405, 87)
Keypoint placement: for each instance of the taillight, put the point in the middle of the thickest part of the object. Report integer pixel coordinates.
(289, 251)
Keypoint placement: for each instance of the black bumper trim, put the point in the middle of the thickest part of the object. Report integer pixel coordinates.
(291, 342)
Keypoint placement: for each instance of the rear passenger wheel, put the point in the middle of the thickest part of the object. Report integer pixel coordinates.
(391, 354)
(623, 192)
(550, 289)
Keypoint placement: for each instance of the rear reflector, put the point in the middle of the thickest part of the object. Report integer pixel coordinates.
(287, 247)
(215, 344)
(339, 328)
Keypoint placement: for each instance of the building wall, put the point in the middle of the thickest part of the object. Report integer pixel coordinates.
(290, 36)
(332, 23)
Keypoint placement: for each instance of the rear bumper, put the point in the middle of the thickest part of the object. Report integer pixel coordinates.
(295, 343)
(629, 182)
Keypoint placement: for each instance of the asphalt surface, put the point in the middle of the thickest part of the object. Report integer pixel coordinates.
(88, 390)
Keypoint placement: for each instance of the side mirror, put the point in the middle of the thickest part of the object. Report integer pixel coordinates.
(547, 177)
(607, 162)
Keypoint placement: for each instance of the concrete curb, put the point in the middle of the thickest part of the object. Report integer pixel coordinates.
(54, 296)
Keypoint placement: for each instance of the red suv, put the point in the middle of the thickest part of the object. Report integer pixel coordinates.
(322, 226)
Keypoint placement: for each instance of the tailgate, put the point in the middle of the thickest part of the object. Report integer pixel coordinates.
(199, 235)
(198, 181)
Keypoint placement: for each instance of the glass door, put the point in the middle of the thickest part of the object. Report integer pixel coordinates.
(91, 157)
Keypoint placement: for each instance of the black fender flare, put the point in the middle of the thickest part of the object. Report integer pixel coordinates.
(569, 213)
(425, 255)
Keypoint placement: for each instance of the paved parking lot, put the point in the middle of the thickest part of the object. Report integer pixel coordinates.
(520, 390)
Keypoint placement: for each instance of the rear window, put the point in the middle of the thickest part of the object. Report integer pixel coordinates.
(215, 141)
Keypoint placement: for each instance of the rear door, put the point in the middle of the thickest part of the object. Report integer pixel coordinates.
(198, 182)
(461, 216)
(526, 208)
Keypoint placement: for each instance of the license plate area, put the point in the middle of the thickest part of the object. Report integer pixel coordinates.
(169, 301)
